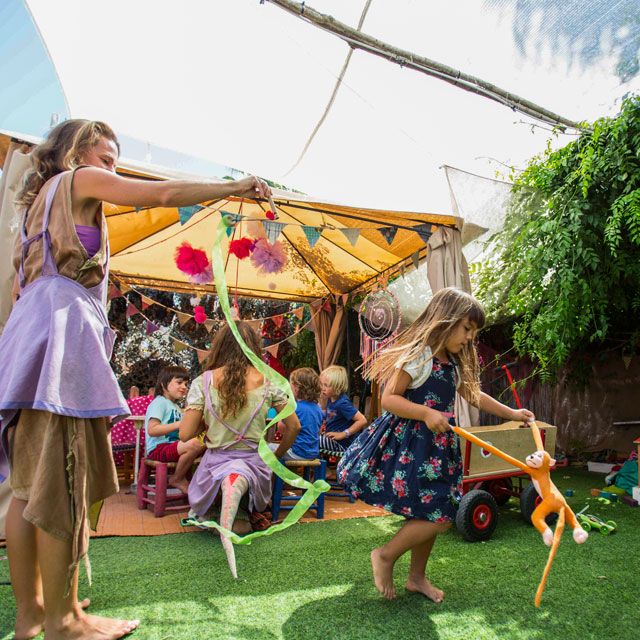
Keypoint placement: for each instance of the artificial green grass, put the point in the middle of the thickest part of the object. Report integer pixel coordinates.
(314, 581)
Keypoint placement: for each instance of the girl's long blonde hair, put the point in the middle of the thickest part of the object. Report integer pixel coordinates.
(432, 328)
(225, 352)
(60, 151)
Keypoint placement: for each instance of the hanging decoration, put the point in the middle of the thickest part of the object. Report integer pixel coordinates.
(201, 316)
(379, 321)
(241, 248)
(194, 263)
(267, 257)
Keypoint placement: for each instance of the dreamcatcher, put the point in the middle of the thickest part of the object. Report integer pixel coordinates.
(379, 323)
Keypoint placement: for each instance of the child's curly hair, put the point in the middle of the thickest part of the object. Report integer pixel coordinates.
(225, 352)
(307, 383)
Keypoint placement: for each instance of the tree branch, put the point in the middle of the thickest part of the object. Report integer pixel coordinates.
(359, 40)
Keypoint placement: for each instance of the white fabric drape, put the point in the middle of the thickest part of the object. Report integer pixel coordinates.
(447, 267)
(15, 165)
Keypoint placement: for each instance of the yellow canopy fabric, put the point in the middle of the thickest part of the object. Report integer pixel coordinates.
(143, 242)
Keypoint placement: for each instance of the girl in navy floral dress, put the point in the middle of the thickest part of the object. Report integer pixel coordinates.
(408, 461)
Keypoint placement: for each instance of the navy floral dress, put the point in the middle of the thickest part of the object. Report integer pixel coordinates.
(400, 465)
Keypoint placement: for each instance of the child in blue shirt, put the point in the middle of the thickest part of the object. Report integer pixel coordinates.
(305, 384)
(343, 421)
(162, 423)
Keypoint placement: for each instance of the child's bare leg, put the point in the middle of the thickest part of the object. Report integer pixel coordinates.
(24, 571)
(188, 451)
(234, 486)
(417, 580)
(64, 618)
(412, 533)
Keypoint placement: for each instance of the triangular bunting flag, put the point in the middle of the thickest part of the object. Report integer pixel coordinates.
(402, 270)
(185, 213)
(278, 320)
(627, 361)
(178, 346)
(327, 306)
(388, 233)
(114, 292)
(124, 288)
(254, 324)
(345, 298)
(131, 310)
(151, 328)
(313, 235)
(146, 301)
(415, 258)
(137, 209)
(424, 231)
(183, 318)
(209, 324)
(272, 229)
(293, 340)
(201, 355)
(299, 312)
(273, 350)
(352, 234)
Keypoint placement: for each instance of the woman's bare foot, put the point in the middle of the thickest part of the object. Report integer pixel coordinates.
(86, 627)
(383, 574)
(183, 484)
(30, 624)
(423, 586)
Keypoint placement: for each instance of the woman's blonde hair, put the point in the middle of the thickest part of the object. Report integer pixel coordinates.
(60, 151)
(432, 328)
(337, 378)
(225, 352)
(307, 382)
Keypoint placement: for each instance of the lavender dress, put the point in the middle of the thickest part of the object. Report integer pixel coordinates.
(55, 348)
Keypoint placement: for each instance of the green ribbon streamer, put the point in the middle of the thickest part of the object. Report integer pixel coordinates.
(313, 490)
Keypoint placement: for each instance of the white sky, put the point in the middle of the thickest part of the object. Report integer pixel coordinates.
(243, 84)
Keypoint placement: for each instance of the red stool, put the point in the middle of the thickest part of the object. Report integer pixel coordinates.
(160, 497)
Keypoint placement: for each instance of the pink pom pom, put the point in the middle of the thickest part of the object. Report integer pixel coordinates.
(270, 215)
(241, 248)
(268, 258)
(205, 277)
(198, 310)
(191, 261)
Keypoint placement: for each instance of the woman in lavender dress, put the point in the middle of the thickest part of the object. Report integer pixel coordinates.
(57, 390)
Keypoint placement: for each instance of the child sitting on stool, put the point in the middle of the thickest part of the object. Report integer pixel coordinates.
(305, 384)
(162, 424)
(343, 421)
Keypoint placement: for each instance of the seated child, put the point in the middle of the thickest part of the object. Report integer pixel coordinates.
(162, 441)
(305, 384)
(343, 421)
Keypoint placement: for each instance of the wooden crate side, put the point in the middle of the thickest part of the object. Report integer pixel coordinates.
(509, 437)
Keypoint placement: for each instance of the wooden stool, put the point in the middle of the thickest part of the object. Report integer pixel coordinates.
(125, 472)
(319, 471)
(160, 496)
(337, 489)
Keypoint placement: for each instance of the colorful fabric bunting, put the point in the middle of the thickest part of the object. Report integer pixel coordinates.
(388, 233)
(201, 354)
(313, 235)
(272, 230)
(178, 346)
(150, 328)
(114, 292)
(424, 231)
(131, 310)
(273, 349)
(186, 213)
(351, 234)
(415, 258)
(183, 318)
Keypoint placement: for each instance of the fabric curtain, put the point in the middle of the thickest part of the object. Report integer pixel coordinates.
(329, 328)
(15, 165)
(447, 267)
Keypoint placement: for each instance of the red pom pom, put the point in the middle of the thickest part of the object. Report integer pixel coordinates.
(241, 248)
(270, 215)
(191, 261)
(198, 310)
(200, 318)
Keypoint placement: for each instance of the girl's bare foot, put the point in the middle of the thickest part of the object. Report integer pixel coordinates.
(423, 586)
(383, 574)
(30, 624)
(183, 484)
(85, 627)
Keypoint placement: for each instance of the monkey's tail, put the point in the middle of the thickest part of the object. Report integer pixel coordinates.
(554, 547)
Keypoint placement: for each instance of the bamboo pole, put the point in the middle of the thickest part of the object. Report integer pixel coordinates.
(359, 40)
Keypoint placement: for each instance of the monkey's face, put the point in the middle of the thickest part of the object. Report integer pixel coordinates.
(537, 459)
